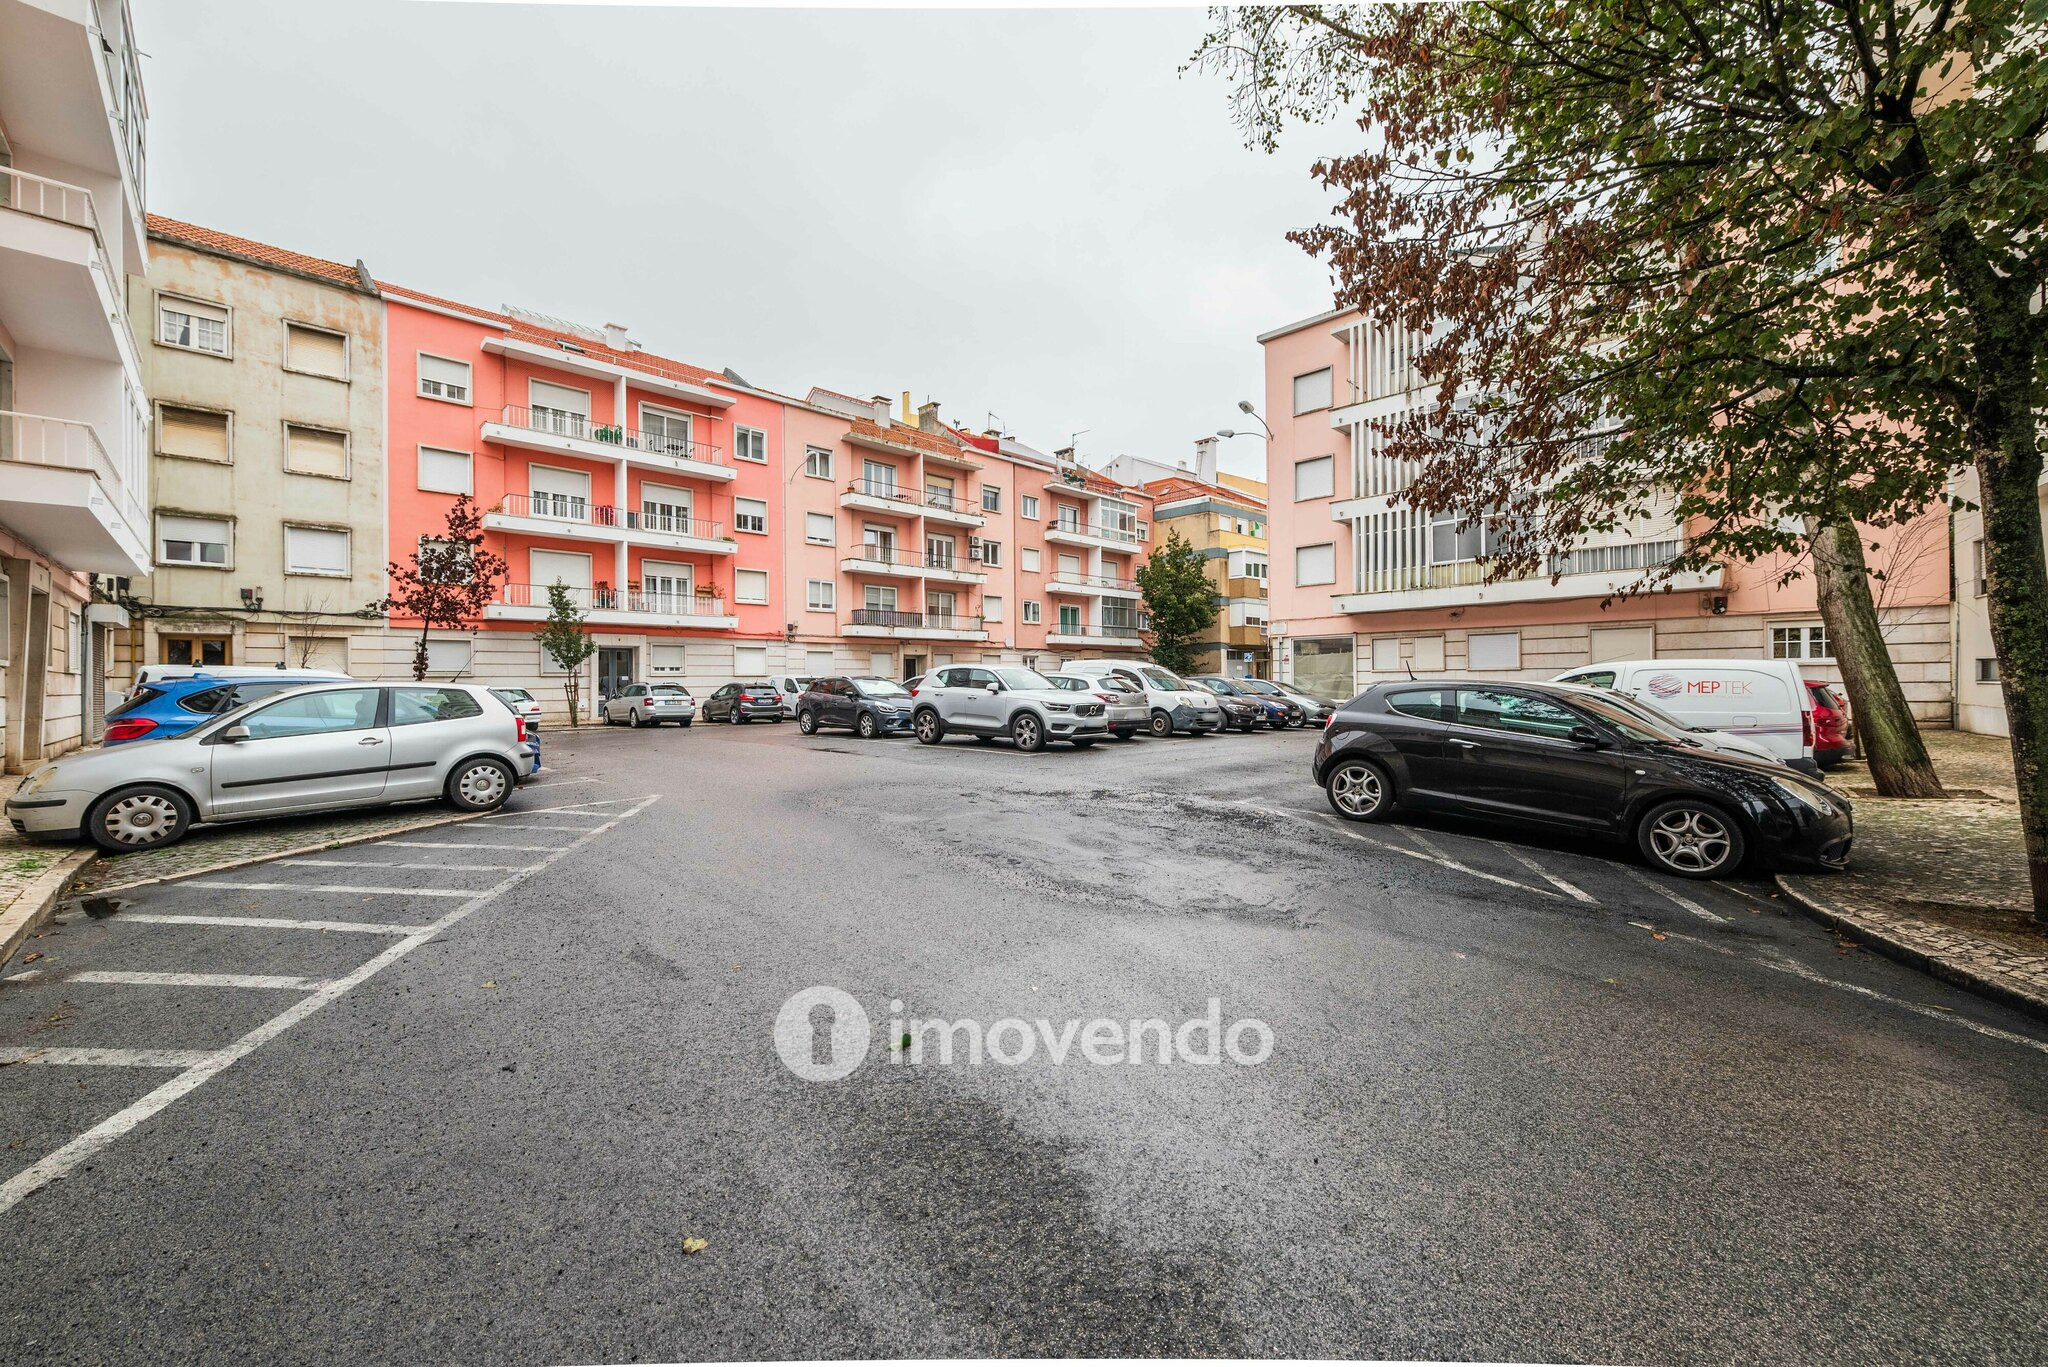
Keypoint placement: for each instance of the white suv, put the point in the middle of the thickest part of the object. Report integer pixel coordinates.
(986, 701)
(1171, 703)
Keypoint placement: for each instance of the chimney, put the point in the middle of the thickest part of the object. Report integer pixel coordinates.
(879, 406)
(1065, 455)
(907, 417)
(1205, 459)
(928, 416)
(615, 337)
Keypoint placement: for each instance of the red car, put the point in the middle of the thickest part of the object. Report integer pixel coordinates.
(1832, 729)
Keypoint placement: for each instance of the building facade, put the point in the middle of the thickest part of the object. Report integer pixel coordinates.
(1980, 702)
(1364, 588)
(73, 411)
(266, 374)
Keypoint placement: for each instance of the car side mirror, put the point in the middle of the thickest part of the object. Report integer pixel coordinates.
(235, 733)
(995, 688)
(1586, 738)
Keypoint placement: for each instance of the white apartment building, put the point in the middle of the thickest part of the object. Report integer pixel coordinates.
(73, 413)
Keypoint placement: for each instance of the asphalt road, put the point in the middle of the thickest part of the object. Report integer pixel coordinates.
(1524, 1101)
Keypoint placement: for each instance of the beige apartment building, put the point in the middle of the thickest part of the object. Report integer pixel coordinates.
(266, 372)
(1980, 701)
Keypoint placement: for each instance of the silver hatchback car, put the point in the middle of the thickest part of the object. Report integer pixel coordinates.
(309, 750)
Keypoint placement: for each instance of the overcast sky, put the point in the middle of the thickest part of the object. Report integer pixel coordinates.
(1024, 213)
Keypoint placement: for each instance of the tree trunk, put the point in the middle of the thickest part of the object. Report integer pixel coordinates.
(572, 692)
(1898, 760)
(419, 655)
(2002, 433)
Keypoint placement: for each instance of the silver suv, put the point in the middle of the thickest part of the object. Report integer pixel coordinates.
(986, 701)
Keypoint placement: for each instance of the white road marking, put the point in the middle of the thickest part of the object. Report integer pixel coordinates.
(473, 845)
(1570, 889)
(67, 1159)
(1331, 823)
(156, 918)
(196, 980)
(1679, 898)
(1444, 857)
(555, 783)
(107, 1058)
(558, 830)
(365, 889)
(305, 863)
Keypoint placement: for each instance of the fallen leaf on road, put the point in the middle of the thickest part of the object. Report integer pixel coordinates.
(492, 983)
(1656, 934)
(30, 958)
(695, 1245)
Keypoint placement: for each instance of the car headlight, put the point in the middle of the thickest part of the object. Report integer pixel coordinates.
(34, 782)
(1059, 707)
(1814, 800)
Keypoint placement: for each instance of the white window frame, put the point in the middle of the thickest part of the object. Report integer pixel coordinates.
(420, 469)
(816, 457)
(348, 358)
(831, 537)
(738, 578)
(991, 607)
(347, 451)
(1808, 633)
(227, 523)
(1329, 546)
(740, 434)
(820, 595)
(1027, 506)
(1029, 559)
(348, 551)
(468, 399)
(1033, 611)
(1329, 397)
(1329, 464)
(739, 504)
(1473, 638)
(986, 491)
(227, 351)
(667, 415)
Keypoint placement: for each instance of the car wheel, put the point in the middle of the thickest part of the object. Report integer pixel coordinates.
(1125, 734)
(138, 818)
(930, 730)
(1691, 839)
(633, 718)
(1299, 721)
(1083, 742)
(807, 722)
(1358, 790)
(1027, 732)
(684, 723)
(1162, 725)
(480, 785)
(865, 727)
(733, 717)
(606, 714)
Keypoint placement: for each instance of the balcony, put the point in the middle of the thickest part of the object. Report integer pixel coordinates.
(1092, 585)
(570, 434)
(1116, 636)
(930, 626)
(58, 288)
(1588, 572)
(60, 490)
(577, 519)
(896, 500)
(1071, 532)
(615, 607)
(873, 558)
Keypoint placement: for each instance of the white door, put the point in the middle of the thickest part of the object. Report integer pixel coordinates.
(559, 409)
(559, 493)
(666, 587)
(664, 432)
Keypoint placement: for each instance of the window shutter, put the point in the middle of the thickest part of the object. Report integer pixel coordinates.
(320, 353)
(308, 451)
(445, 472)
(189, 432)
(315, 550)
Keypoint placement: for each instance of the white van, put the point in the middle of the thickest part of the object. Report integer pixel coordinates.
(1173, 703)
(1759, 700)
(791, 687)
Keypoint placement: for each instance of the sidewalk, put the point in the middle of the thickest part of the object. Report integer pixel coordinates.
(32, 878)
(1940, 885)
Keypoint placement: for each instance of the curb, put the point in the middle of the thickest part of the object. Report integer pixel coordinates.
(38, 900)
(1933, 965)
(449, 819)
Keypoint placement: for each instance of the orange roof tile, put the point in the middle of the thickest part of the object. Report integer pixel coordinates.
(902, 435)
(206, 239)
(1178, 487)
(527, 331)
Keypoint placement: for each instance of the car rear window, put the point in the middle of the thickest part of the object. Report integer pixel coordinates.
(207, 701)
(670, 690)
(1430, 704)
(141, 697)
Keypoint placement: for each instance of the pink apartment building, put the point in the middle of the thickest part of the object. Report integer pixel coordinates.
(1364, 589)
(716, 531)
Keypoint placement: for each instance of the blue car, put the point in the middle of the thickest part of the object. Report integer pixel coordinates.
(171, 707)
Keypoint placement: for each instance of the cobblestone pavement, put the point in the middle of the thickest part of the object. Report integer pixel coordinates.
(1942, 884)
(21, 863)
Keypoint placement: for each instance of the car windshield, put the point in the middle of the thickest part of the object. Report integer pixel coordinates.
(1160, 678)
(1649, 711)
(1257, 686)
(1022, 678)
(1224, 686)
(1630, 724)
(880, 688)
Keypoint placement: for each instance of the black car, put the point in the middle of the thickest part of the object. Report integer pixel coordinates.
(869, 704)
(1528, 753)
(1239, 711)
(1309, 707)
(1278, 710)
(738, 702)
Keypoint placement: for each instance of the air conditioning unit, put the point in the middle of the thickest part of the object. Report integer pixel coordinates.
(974, 549)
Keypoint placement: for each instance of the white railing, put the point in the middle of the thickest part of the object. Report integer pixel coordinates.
(1373, 472)
(31, 439)
(652, 602)
(1391, 551)
(60, 203)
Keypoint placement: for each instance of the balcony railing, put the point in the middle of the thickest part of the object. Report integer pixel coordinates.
(884, 489)
(928, 621)
(60, 203)
(606, 599)
(1113, 631)
(1101, 531)
(35, 440)
(1093, 581)
(950, 502)
(554, 422)
(573, 508)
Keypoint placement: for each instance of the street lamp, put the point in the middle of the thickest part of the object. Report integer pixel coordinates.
(1245, 406)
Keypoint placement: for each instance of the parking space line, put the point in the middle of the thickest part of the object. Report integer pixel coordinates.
(363, 888)
(160, 918)
(557, 782)
(195, 980)
(300, 862)
(106, 1058)
(1439, 858)
(472, 845)
(1679, 898)
(559, 830)
(80, 1149)
(1569, 888)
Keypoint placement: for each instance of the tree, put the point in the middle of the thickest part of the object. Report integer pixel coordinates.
(1179, 599)
(566, 640)
(447, 581)
(1765, 269)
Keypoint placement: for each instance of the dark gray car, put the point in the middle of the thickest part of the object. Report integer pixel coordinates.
(866, 704)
